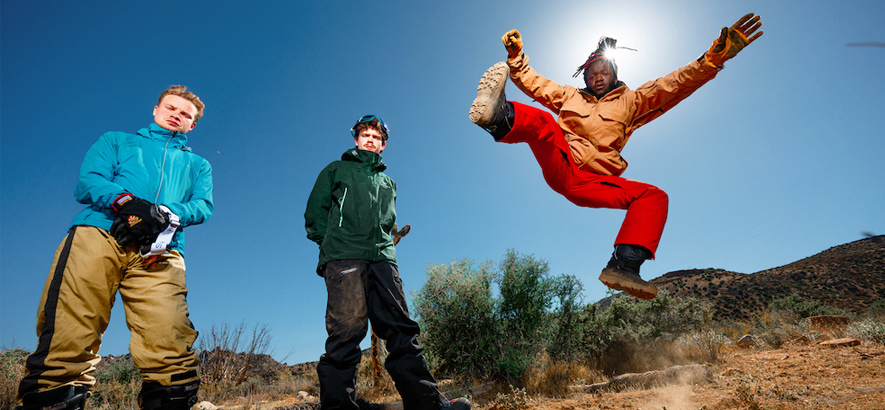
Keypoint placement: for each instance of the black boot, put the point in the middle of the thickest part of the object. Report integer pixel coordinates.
(622, 272)
(491, 110)
(154, 396)
(61, 398)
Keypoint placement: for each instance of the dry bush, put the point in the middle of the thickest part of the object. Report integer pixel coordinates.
(704, 346)
(553, 378)
(515, 399)
(228, 359)
(871, 329)
(12, 369)
(117, 383)
(373, 383)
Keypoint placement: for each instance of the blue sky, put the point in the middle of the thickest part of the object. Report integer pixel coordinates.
(778, 158)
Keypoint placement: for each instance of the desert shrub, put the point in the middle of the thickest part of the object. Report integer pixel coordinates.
(872, 329)
(230, 362)
(637, 335)
(522, 312)
(877, 309)
(554, 378)
(456, 311)
(12, 369)
(802, 308)
(702, 346)
(473, 332)
(772, 327)
(566, 332)
(373, 381)
(515, 399)
(117, 383)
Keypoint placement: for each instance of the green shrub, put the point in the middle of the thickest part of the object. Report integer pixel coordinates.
(636, 335)
(525, 296)
(803, 308)
(456, 311)
(472, 333)
(877, 309)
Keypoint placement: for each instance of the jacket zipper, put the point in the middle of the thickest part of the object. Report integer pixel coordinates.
(377, 186)
(341, 208)
(163, 168)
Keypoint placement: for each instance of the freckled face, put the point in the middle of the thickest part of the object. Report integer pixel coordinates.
(175, 114)
(370, 139)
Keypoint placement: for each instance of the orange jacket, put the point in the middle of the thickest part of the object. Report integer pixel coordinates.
(597, 130)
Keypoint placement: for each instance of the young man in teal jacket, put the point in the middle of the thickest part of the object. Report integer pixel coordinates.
(140, 191)
(351, 214)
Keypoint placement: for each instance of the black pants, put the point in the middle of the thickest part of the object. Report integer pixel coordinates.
(360, 291)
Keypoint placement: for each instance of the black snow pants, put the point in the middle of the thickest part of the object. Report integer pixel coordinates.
(360, 291)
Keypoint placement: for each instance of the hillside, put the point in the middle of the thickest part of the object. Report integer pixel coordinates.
(848, 277)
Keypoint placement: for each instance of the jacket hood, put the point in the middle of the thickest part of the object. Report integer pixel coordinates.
(369, 158)
(157, 133)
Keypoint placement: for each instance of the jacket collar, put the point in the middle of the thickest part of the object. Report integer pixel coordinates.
(155, 132)
(369, 158)
(616, 92)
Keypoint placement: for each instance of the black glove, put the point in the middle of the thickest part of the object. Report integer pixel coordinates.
(139, 220)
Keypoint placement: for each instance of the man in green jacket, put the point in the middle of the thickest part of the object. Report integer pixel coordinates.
(351, 214)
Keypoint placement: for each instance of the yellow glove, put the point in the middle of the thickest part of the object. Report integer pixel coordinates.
(513, 43)
(734, 39)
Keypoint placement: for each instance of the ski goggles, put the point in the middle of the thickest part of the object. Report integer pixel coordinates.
(367, 118)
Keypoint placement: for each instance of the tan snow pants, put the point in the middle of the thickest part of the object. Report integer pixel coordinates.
(75, 307)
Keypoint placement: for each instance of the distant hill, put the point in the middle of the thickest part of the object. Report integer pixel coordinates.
(849, 277)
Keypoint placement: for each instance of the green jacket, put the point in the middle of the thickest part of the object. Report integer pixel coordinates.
(351, 210)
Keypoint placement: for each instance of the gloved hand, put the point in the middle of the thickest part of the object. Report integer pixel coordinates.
(734, 39)
(513, 43)
(139, 220)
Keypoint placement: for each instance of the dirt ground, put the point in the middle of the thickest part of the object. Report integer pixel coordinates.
(800, 375)
(797, 376)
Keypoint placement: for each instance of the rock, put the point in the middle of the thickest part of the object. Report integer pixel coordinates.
(691, 374)
(798, 340)
(840, 342)
(746, 341)
(204, 405)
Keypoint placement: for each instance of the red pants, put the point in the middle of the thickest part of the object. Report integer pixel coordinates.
(646, 204)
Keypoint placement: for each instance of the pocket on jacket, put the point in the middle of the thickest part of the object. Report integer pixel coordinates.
(618, 116)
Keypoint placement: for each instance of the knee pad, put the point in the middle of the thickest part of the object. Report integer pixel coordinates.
(61, 398)
(154, 396)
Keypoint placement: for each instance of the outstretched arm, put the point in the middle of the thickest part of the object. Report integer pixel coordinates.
(534, 85)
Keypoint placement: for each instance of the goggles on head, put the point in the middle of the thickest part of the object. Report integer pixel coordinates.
(368, 118)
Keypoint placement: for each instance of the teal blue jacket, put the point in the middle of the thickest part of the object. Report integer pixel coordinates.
(351, 210)
(155, 165)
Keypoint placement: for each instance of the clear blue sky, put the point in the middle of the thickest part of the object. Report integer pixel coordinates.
(778, 158)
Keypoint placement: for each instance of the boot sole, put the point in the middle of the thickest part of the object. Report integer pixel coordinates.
(489, 94)
(638, 289)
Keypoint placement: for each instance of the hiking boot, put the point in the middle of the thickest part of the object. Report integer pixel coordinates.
(460, 403)
(490, 109)
(61, 398)
(622, 279)
(622, 272)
